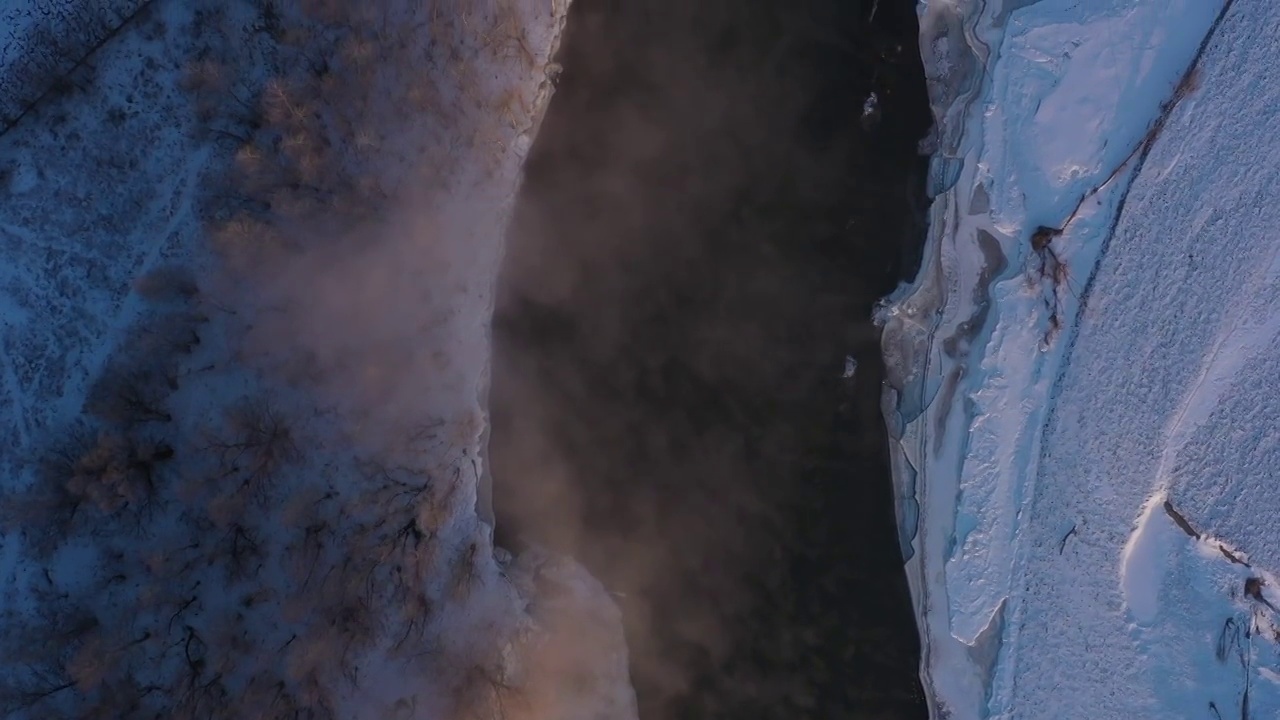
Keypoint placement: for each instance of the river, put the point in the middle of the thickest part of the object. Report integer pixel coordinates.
(711, 210)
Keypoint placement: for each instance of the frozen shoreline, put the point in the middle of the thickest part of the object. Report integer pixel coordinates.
(1039, 108)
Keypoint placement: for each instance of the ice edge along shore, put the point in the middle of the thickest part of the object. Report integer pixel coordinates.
(1040, 112)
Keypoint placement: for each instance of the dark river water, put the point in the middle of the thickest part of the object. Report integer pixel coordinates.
(707, 221)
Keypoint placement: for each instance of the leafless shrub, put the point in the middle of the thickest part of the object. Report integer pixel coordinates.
(168, 284)
(162, 338)
(95, 663)
(1189, 83)
(205, 76)
(282, 104)
(126, 395)
(247, 240)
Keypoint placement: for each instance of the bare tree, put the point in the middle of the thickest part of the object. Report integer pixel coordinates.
(484, 693)
(32, 687)
(168, 284)
(261, 443)
(95, 663)
(308, 551)
(117, 699)
(198, 693)
(466, 572)
(48, 508)
(86, 470)
(354, 626)
(415, 615)
(116, 472)
(37, 679)
(129, 395)
(241, 551)
(165, 336)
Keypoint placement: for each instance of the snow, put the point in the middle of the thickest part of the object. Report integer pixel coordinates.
(330, 418)
(67, 283)
(45, 39)
(1052, 392)
(1144, 561)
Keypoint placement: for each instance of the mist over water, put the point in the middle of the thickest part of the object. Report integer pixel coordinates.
(707, 221)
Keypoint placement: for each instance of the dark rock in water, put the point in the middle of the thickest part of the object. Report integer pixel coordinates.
(708, 218)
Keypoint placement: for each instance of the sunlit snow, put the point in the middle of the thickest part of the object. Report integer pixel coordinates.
(1081, 373)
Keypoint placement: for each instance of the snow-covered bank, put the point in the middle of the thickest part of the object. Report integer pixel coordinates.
(254, 491)
(1086, 340)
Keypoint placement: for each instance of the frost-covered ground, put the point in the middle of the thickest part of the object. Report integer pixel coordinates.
(249, 251)
(1080, 373)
